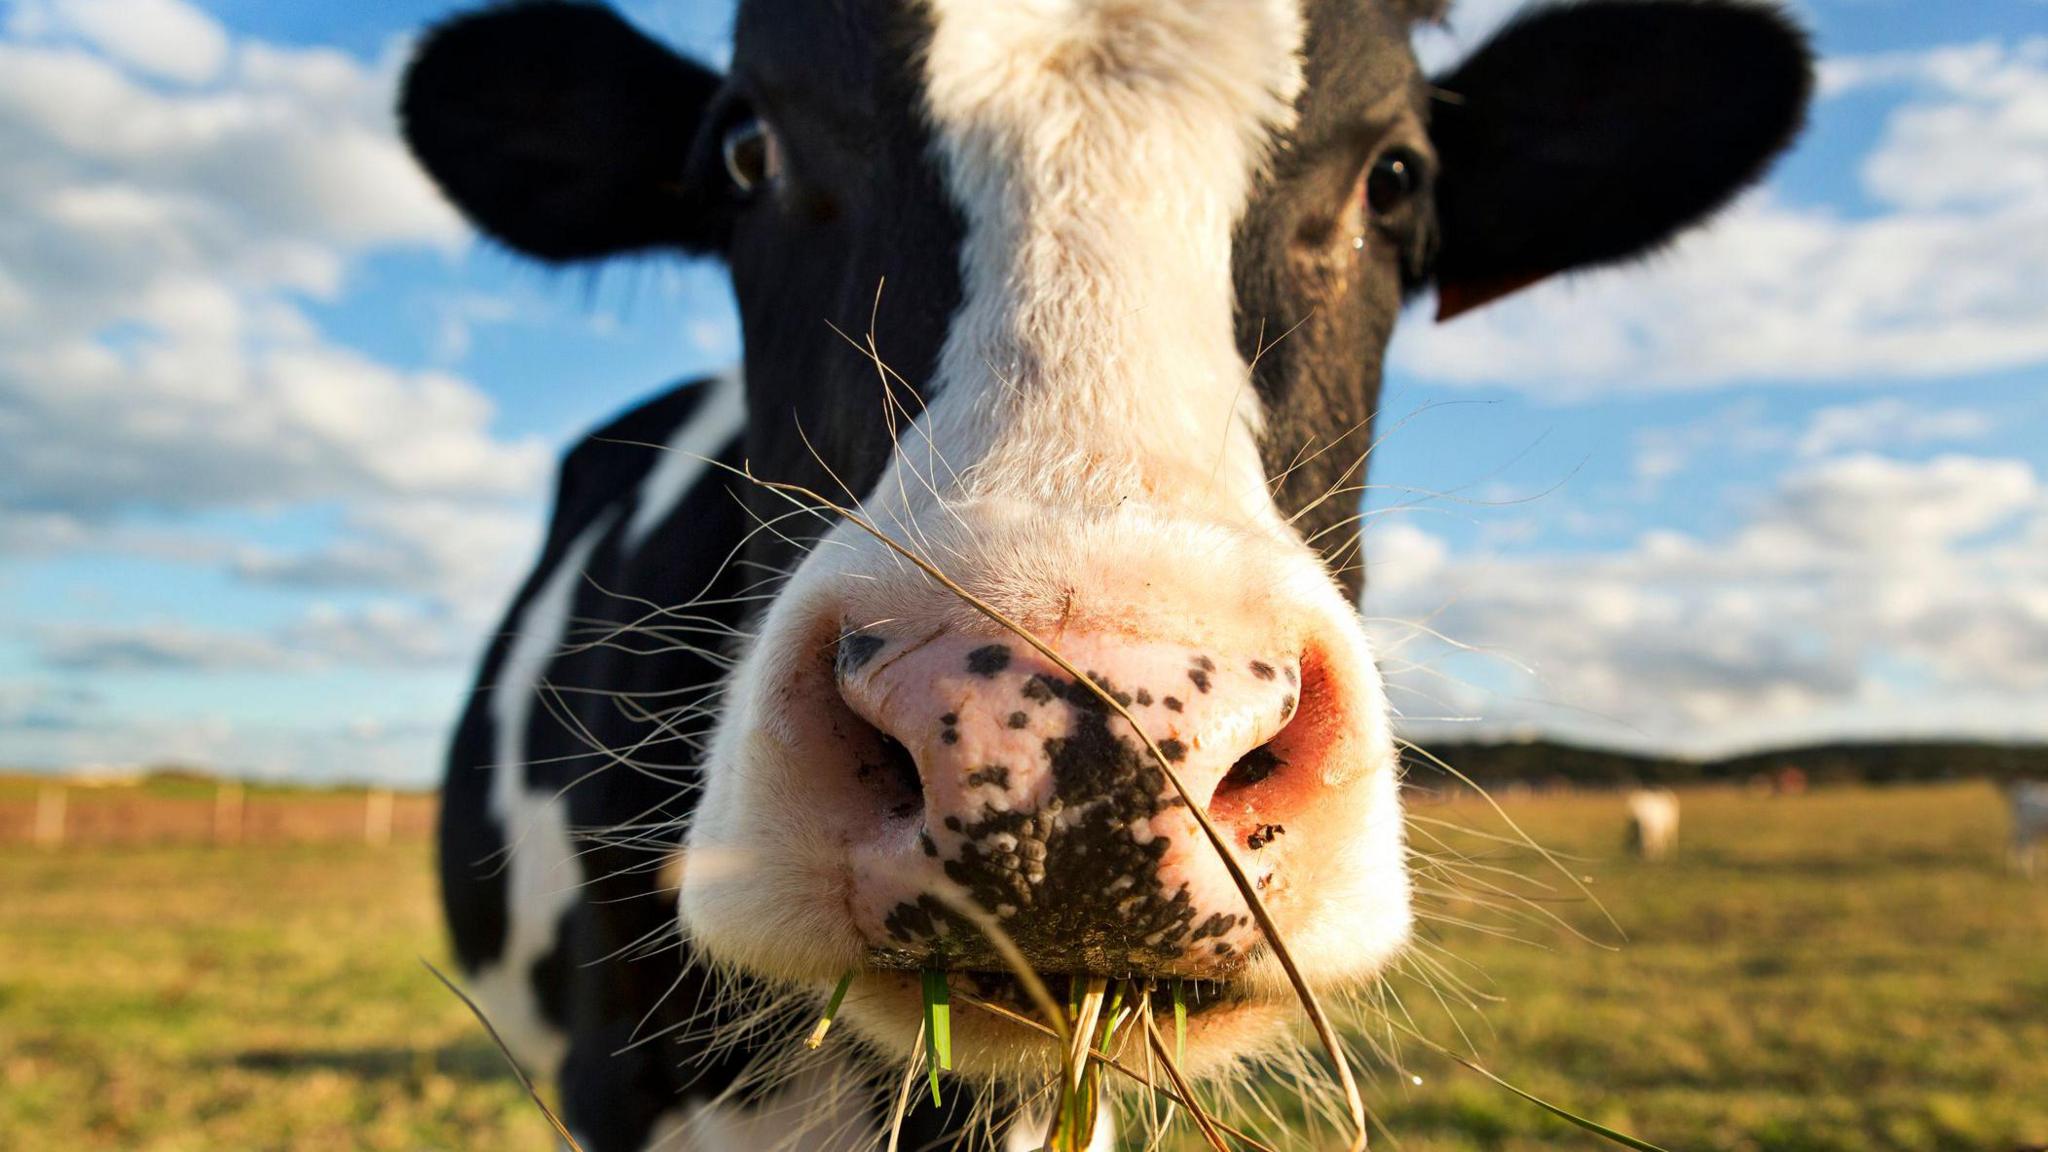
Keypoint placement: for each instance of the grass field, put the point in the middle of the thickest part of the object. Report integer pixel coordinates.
(1846, 970)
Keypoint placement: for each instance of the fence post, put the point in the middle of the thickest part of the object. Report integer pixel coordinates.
(377, 812)
(229, 804)
(50, 803)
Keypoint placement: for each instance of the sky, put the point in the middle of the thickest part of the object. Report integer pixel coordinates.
(276, 428)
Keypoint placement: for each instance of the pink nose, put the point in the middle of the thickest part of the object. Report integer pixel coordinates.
(1039, 804)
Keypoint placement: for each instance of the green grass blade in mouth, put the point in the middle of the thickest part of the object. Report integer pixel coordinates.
(938, 1031)
(824, 1025)
(1109, 1017)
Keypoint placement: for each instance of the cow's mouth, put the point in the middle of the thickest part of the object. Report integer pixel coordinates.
(1003, 990)
(1001, 1032)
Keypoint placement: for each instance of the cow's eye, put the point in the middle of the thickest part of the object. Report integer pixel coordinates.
(1393, 181)
(752, 156)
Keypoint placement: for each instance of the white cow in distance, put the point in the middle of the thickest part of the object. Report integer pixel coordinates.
(2028, 802)
(1652, 822)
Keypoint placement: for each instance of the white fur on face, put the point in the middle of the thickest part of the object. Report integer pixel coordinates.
(1101, 151)
(1089, 461)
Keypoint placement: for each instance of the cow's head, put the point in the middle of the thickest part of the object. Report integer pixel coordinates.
(1129, 269)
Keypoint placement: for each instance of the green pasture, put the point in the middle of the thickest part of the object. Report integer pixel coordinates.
(1846, 970)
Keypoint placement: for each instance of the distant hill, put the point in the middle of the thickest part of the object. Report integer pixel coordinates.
(1539, 761)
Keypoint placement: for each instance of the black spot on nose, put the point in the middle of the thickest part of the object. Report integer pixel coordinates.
(855, 650)
(989, 660)
(995, 774)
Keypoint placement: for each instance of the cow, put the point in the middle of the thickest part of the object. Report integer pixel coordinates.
(1080, 305)
(1652, 822)
(2027, 800)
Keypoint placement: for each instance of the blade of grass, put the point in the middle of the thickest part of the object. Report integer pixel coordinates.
(824, 1025)
(937, 1029)
(555, 1121)
(1111, 1018)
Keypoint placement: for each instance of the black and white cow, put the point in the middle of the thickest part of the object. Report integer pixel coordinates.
(1131, 266)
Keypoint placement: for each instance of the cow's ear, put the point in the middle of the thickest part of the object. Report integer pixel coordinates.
(1595, 131)
(563, 132)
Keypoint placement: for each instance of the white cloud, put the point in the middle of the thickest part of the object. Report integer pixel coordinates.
(457, 554)
(157, 244)
(381, 634)
(1889, 421)
(384, 633)
(1867, 595)
(161, 358)
(165, 39)
(43, 707)
(1949, 276)
(157, 648)
(1738, 431)
(1743, 432)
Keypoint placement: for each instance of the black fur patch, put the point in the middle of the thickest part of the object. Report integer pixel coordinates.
(986, 662)
(855, 650)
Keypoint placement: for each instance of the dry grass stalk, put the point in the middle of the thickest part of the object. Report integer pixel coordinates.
(475, 1010)
(1180, 1084)
(903, 1091)
(1073, 1121)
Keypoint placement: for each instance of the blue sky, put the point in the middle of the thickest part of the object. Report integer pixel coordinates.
(278, 428)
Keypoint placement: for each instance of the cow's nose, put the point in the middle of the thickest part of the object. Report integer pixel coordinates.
(1038, 803)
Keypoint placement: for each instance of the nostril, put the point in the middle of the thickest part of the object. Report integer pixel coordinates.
(892, 775)
(1254, 767)
(1266, 782)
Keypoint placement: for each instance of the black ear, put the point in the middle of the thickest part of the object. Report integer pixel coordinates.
(561, 131)
(1593, 131)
